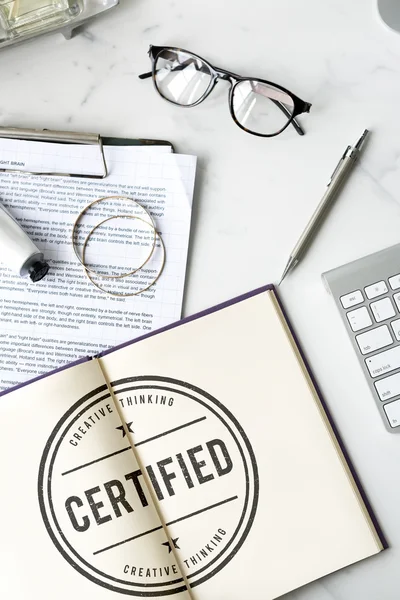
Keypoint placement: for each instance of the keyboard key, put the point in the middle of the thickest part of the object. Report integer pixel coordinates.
(396, 298)
(359, 318)
(388, 387)
(352, 299)
(375, 339)
(376, 289)
(384, 362)
(396, 328)
(392, 411)
(383, 309)
(394, 282)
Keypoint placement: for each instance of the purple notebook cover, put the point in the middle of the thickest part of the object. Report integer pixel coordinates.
(203, 314)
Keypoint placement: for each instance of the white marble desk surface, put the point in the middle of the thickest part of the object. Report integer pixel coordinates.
(255, 195)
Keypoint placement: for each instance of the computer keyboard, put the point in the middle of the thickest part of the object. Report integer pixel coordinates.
(367, 294)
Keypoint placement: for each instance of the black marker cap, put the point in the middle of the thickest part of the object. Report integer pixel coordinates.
(38, 270)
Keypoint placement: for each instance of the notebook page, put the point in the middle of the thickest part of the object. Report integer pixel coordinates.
(74, 490)
(64, 317)
(249, 480)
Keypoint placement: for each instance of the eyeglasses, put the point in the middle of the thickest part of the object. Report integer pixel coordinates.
(258, 106)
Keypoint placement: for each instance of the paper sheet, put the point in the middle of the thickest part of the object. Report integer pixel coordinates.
(64, 317)
(42, 157)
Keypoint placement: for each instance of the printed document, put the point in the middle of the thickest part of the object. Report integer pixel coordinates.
(48, 324)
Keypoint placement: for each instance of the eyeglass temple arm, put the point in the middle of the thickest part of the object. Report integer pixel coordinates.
(281, 106)
(287, 112)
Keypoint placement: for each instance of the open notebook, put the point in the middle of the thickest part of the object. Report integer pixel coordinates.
(197, 462)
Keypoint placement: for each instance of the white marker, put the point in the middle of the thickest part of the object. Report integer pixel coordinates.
(17, 250)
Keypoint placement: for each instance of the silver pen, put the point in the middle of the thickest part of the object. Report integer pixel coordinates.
(338, 177)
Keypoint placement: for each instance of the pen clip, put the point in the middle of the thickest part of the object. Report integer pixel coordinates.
(341, 159)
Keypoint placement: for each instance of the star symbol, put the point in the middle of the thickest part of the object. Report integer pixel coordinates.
(128, 426)
(168, 545)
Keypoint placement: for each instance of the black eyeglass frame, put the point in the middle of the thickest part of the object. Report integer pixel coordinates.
(299, 106)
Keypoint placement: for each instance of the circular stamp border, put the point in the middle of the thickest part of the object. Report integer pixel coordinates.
(242, 435)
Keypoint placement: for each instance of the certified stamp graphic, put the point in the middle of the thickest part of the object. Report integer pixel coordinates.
(161, 440)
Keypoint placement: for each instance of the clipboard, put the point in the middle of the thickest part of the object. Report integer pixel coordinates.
(71, 137)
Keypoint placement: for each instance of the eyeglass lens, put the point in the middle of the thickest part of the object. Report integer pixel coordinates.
(261, 108)
(181, 77)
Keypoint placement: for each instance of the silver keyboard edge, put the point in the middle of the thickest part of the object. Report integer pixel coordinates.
(357, 275)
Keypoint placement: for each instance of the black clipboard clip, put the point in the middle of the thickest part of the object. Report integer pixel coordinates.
(64, 137)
